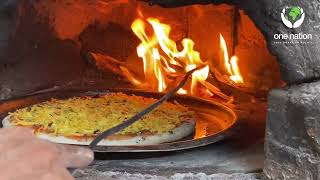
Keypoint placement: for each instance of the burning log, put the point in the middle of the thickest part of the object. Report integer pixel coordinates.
(163, 64)
(163, 67)
(226, 85)
(105, 62)
(217, 91)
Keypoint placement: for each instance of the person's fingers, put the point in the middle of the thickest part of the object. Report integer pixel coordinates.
(25, 143)
(74, 156)
(32, 160)
(65, 155)
(33, 147)
(13, 141)
(17, 130)
(16, 134)
(45, 161)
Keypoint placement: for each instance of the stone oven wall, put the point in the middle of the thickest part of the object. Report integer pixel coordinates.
(292, 135)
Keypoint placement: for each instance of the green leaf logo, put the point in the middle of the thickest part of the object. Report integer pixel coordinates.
(292, 17)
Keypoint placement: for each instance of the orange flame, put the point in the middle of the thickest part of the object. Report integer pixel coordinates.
(236, 77)
(158, 70)
(231, 64)
(163, 63)
(199, 76)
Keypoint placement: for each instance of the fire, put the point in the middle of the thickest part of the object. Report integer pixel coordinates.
(164, 64)
(199, 76)
(230, 64)
(236, 77)
(158, 70)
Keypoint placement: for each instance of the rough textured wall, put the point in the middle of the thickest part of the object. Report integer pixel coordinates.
(258, 66)
(6, 26)
(299, 62)
(38, 51)
(68, 18)
(7, 23)
(293, 133)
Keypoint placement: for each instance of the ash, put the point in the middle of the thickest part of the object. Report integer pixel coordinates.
(111, 175)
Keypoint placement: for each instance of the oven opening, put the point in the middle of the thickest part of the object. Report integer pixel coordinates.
(146, 50)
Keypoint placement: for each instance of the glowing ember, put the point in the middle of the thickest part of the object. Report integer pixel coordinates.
(164, 64)
(182, 91)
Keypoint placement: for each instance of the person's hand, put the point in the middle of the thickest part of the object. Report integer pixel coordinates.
(25, 157)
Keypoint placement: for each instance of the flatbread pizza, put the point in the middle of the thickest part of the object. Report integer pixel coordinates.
(78, 120)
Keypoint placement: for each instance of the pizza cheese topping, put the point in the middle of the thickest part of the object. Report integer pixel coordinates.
(87, 116)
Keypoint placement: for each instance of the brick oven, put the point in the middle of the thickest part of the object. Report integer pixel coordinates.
(262, 61)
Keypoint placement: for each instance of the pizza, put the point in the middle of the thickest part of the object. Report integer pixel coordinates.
(79, 120)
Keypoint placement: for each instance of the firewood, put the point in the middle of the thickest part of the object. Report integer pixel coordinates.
(105, 63)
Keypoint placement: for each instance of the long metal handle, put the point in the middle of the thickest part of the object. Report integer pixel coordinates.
(138, 116)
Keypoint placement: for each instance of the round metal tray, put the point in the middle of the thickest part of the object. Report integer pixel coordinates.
(214, 121)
